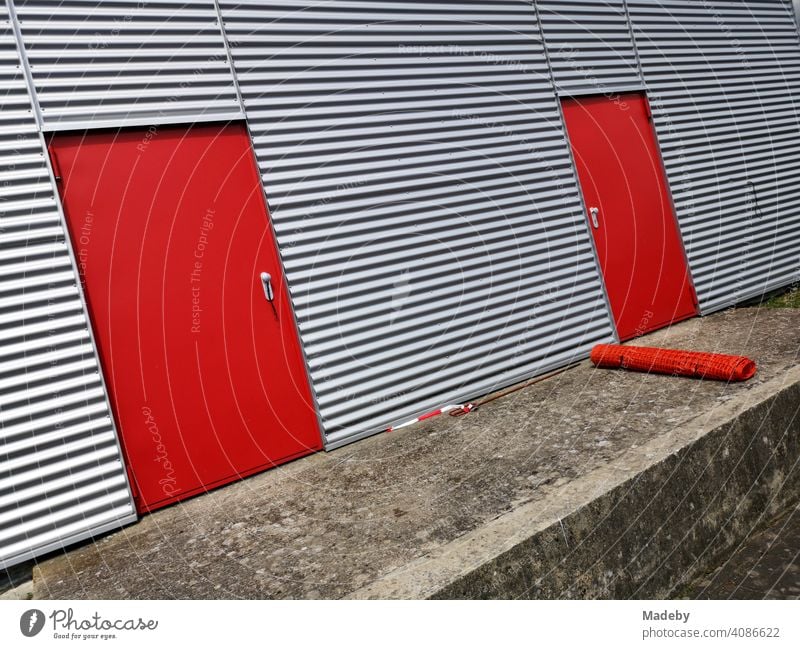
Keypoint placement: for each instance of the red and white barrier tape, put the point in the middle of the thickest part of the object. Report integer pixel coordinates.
(458, 410)
(469, 407)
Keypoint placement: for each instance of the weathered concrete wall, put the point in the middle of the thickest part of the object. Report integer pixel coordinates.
(649, 535)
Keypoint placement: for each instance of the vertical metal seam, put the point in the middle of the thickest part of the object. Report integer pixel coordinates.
(271, 225)
(229, 54)
(24, 63)
(71, 254)
(629, 24)
(574, 170)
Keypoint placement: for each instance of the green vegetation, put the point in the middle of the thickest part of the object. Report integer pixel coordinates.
(789, 299)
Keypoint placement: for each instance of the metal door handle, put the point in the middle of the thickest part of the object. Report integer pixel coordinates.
(594, 212)
(266, 282)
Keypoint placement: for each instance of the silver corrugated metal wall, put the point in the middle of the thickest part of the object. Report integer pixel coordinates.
(62, 477)
(424, 200)
(116, 63)
(724, 83)
(423, 195)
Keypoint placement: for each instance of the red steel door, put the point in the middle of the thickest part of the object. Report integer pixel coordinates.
(630, 214)
(171, 236)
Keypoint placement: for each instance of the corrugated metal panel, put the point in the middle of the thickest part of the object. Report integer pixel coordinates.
(423, 198)
(121, 62)
(724, 83)
(61, 473)
(590, 46)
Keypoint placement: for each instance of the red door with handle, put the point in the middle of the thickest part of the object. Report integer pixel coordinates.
(630, 213)
(188, 303)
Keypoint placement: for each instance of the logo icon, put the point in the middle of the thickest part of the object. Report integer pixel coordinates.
(31, 622)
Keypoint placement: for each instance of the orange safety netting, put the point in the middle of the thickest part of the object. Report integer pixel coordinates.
(700, 365)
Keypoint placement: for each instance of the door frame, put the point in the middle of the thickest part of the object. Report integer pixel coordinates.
(560, 97)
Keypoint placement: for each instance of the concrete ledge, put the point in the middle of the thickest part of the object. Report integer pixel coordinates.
(595, 483)
(638, 528)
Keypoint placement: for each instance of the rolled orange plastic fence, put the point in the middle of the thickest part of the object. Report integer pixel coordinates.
(700, 365)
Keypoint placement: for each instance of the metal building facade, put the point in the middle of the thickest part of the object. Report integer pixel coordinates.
(423, 195)
(62, 476)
